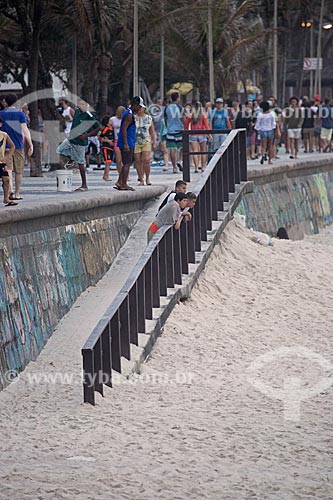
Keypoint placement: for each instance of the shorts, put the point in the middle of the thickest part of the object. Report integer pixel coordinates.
(253, 138)
(174, 141)
(326, 133)
(94, 146)
(218, 140)
(266, 134)
(3, 170)
(142, 148)
(115, 145)
(127, 156)
(294, 133)
(153, 228)
(197, 138)
(16, 162)
(307, 132)
(74, 151)
(107, 155)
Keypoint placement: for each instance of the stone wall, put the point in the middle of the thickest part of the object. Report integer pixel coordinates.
(46, 262)
(301, 201)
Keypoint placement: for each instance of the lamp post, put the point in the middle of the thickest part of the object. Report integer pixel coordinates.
(309, 24)
(318, 72)
(210, 52)
(135, 49)
(275, 40)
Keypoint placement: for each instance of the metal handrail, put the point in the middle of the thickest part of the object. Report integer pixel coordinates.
(163, 263)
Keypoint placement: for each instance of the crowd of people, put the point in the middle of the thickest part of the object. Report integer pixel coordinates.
(137, 133)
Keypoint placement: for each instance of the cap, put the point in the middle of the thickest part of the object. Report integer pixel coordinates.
(138, 100)
(219, 99)
(316, 97)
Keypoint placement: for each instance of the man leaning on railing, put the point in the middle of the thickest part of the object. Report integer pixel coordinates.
(170, 214)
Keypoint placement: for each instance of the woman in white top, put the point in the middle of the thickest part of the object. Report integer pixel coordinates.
(116, 121)
(145, 141)
(266, 124)
(68, 114)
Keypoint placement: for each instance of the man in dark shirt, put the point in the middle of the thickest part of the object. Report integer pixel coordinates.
(84, 125)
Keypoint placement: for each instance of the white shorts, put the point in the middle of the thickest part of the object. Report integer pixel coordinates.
(326, 134)
(294, 133)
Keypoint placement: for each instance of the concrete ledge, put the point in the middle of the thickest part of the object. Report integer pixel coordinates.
(293, 168)
(83, 201)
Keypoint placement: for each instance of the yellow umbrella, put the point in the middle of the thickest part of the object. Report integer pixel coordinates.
(182, 88)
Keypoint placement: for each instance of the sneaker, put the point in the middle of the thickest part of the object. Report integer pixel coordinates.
(180, 166)
(69, 164)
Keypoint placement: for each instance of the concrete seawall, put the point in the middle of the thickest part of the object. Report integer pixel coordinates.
(48, 256)
(299, 198)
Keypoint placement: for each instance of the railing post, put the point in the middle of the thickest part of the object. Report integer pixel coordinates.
(203, 214)
(133, 308)
(184, 245)
(148, 290)
(243, 159)
(88, 376)
(186, 156)
(177, 256)
(98, 366)
(225, 165)
(237, 158)
(208, 188)
(219, 184)
(107, 359)
(231, 167)
(156, 277)
(125, 344)
(141, 303)
(169, 256)
(191, 237)
(163, 267)
(197, 224)
(115, 342)
(214, 189)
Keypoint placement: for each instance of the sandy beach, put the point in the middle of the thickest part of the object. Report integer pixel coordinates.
(235, 402)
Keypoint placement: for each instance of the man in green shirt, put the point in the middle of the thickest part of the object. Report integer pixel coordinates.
(84, 125)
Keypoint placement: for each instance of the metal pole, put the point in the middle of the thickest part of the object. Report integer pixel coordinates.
(74, 67)
(311, 55)
(210, 52)
(318, 72)
(162, 68)
(136, 49)
(275, 43)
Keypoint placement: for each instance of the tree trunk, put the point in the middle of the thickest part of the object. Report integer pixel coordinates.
(36, 14)
(104, 71)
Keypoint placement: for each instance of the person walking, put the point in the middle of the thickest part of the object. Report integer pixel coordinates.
(308, 127)
(174, 120)
(7, 149)
(219, 119)
(67, 113)
(293, 122)
(116, 122)
(145, 142)
(126, 142)
(106, 139)
(198, 143)
(84, 125)
(265, 124)
(14, 123)
(326, 125)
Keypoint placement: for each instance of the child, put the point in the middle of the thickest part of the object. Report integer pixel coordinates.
(5, 154)
(169, 214)
(107, 144)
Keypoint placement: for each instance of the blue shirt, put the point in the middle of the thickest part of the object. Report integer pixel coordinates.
(219, 119)
(327, 114)
(130, 132)
(12, 124)
(174, 122)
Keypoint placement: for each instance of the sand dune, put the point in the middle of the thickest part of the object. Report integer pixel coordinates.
(193, 426)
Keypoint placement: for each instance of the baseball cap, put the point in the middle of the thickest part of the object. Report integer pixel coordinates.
(138, 100)
(219, 99)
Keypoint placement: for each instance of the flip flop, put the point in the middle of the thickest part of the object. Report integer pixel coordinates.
(19, 198)
(148, 183)
(107, 180)
(81, 189)
(11, 204)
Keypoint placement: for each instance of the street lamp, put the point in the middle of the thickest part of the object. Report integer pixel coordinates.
(309, 25)
(327, 26)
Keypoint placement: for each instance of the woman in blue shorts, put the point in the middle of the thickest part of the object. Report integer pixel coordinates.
(266, 124)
